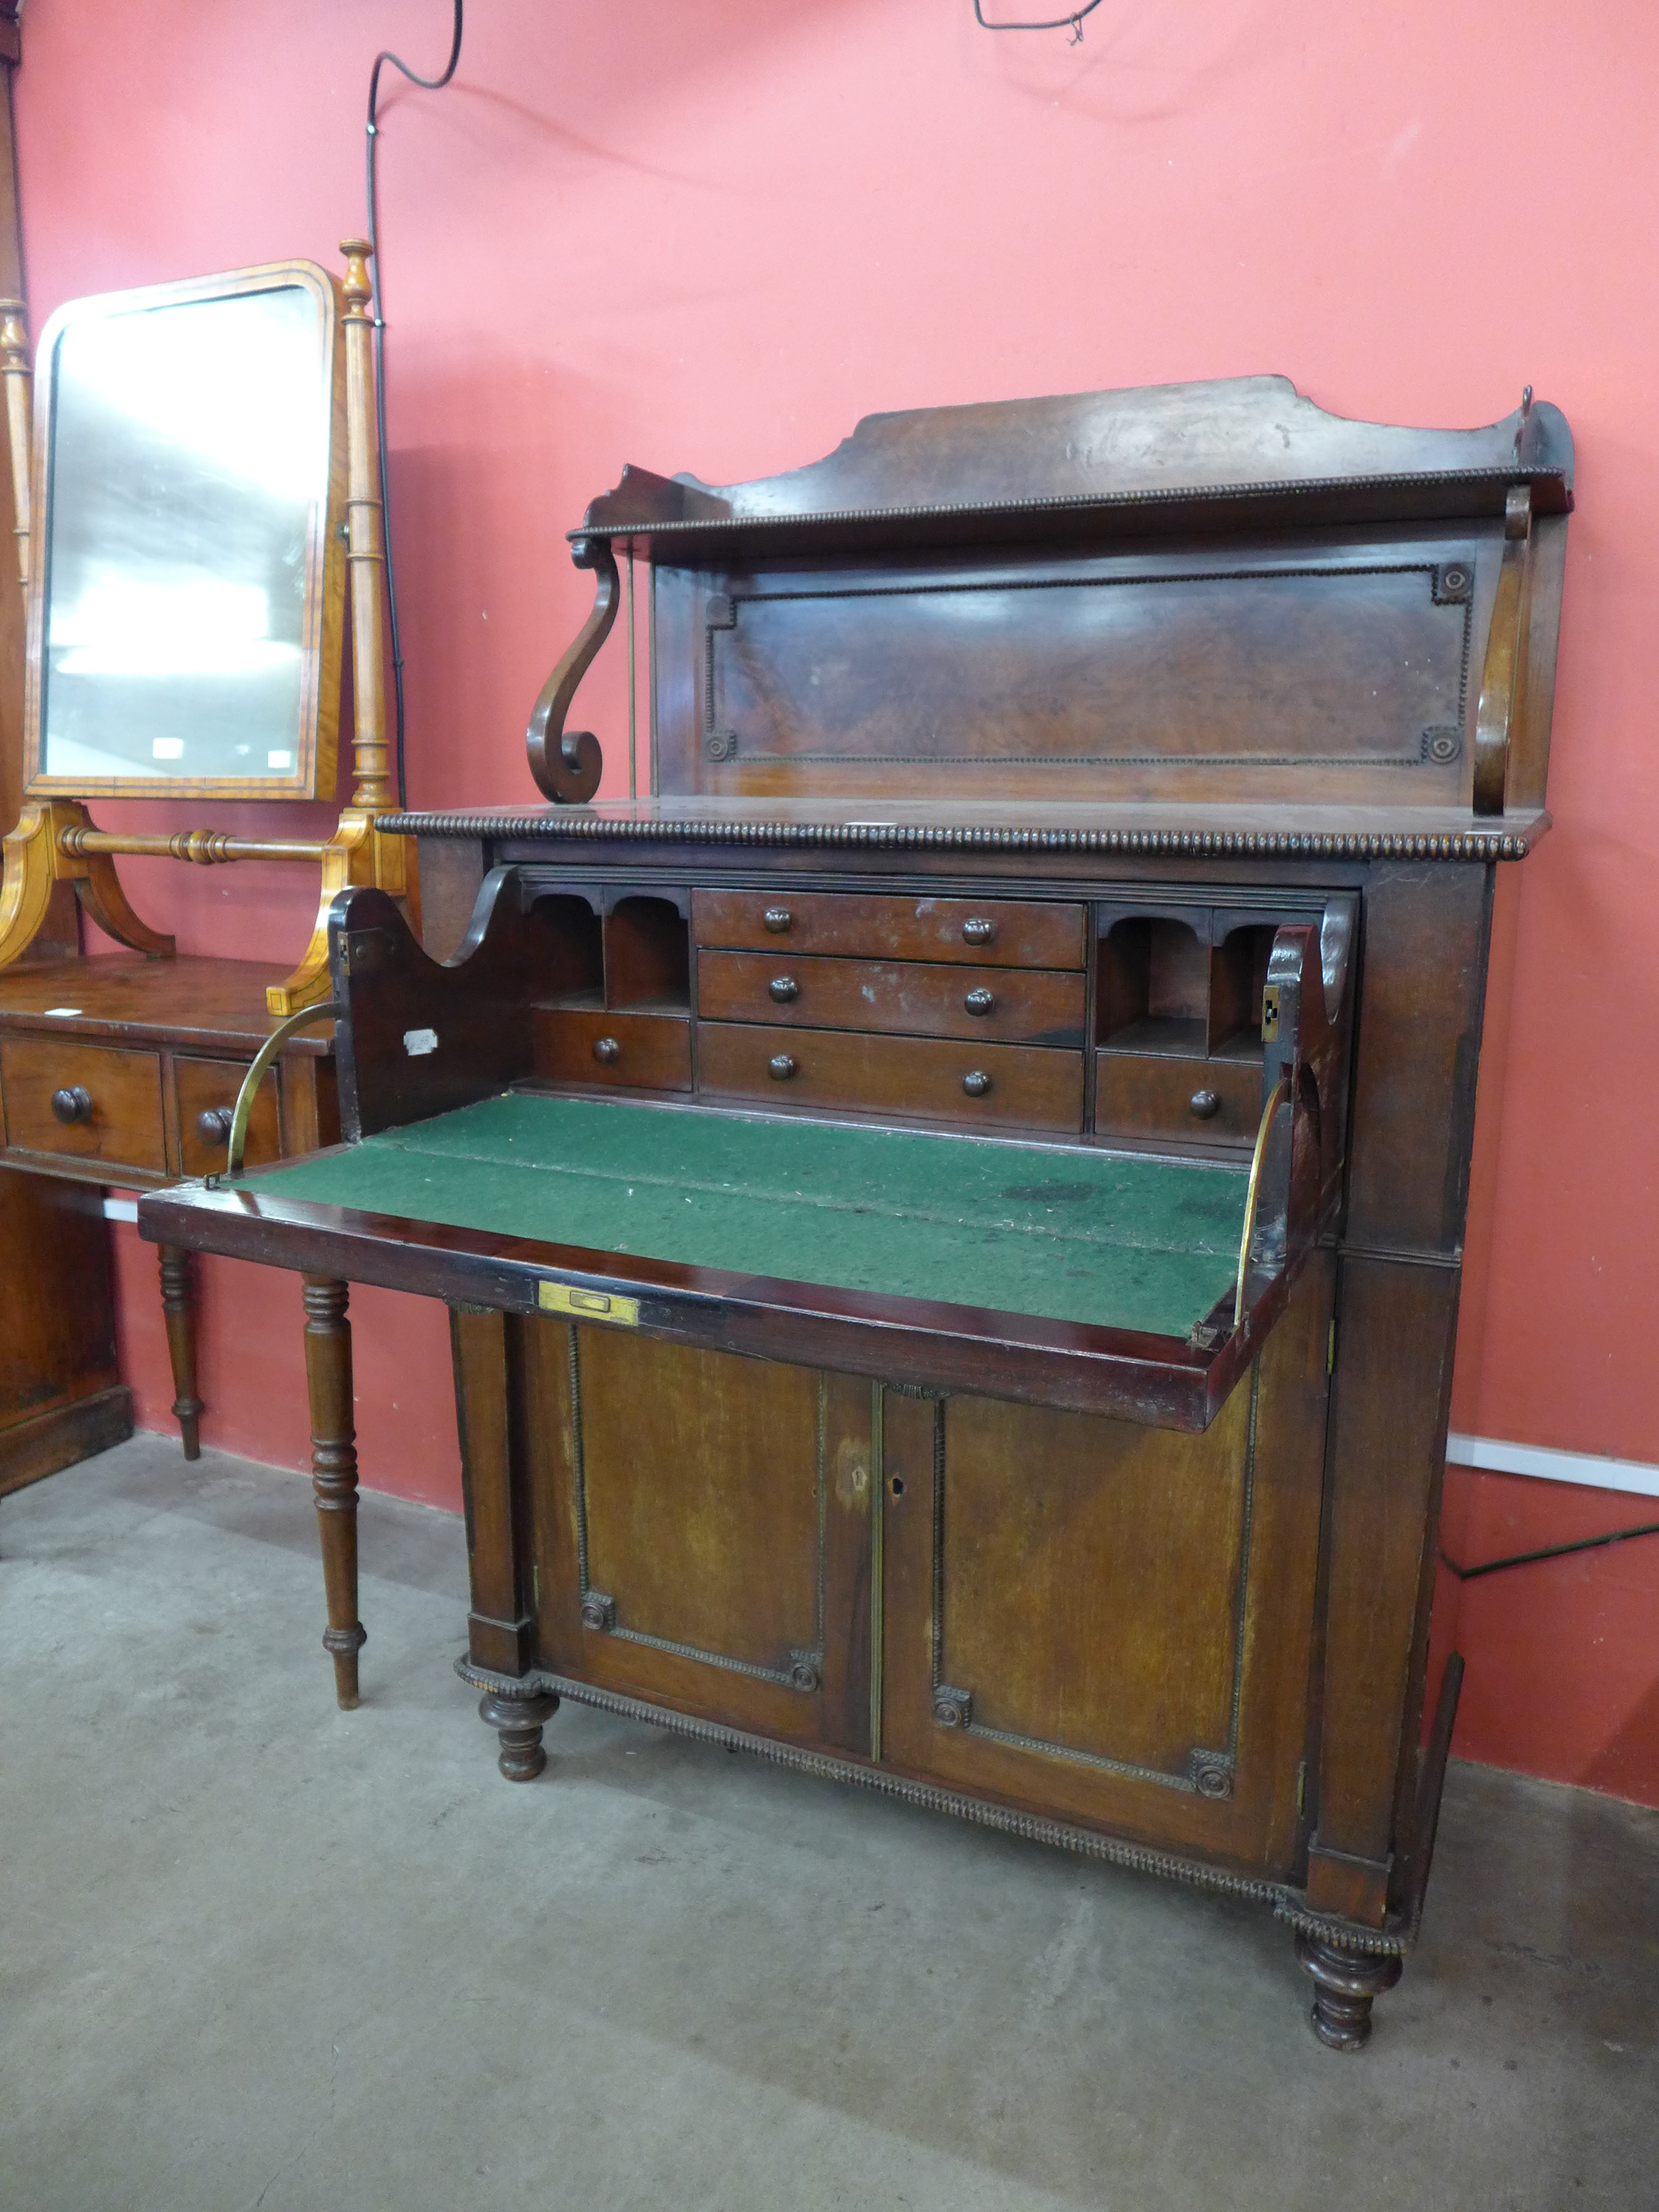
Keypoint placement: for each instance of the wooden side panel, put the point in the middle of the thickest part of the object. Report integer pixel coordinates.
(60, 1390)
(1397, 1325)
(1421, 994)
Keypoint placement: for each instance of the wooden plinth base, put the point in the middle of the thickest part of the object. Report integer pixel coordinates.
(46, 1442)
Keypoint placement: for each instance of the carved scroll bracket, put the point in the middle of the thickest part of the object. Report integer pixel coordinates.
(567, 764)
(1502, 677)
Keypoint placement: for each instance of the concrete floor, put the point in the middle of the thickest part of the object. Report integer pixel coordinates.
(261, 1953)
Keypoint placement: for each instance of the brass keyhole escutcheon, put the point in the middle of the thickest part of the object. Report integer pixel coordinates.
(783, 989)
(777, 918)
(606, 1049)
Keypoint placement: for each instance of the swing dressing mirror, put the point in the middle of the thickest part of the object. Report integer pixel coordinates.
(185, 622)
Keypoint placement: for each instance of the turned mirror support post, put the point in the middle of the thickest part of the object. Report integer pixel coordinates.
(359, 852)
(334, 1473)
(179, 1304)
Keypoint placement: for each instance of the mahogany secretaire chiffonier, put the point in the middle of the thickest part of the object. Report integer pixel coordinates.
(952, 1204)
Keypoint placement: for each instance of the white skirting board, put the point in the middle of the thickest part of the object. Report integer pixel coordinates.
(1496, 1455)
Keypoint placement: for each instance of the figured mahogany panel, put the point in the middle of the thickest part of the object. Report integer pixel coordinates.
(1274, 662)
(905, 998)
(114, 1098)
(935, 1080)
(998, 932)
(703, 1498)
(1091, 1608)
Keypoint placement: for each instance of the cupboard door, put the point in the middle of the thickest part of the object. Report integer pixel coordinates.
(702, 1531)
(1108, 1623)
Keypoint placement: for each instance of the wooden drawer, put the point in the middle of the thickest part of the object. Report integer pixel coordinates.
(210, 1086)
(1149, 1095)
(920, 1077)
(900, 998)
(635, 1052)
(121, 1123)
(994, 932)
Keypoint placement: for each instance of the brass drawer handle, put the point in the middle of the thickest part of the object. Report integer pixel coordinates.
(780, 1067)
(1204, 1105)
(72, 1105)
(777, 918)
(783, 989)
(978, 931)
(213, 1126)
(981, 1001)
(977, 1083)
(605, 1049)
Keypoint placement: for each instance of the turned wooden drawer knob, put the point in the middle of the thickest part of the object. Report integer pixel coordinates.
(213, 1126)
(981, 1001)
(780, 1067)
(978, 931)
(977, 1083)
(783, 989)
(605, 1049)
(777, 918)
(74, 1105)
(1204, 1105)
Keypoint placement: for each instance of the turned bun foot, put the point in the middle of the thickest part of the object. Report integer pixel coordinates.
(343, 1645)
(517, 1721)
(1345, 1982)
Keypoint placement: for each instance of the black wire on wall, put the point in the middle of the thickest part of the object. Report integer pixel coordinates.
(378, 273)
(1074, 22)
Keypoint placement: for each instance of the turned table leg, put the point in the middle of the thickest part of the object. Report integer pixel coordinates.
(334, 1473)
(518, 1718)
(179, 1304)
(1345, 1982)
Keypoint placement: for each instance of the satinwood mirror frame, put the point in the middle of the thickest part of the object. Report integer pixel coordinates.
(316, 733)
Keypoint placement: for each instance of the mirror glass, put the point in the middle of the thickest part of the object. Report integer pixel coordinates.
(189, 462)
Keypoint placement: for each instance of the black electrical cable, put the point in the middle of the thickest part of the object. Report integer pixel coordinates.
(1074, 22)
(425, 84)
(1549, 1551)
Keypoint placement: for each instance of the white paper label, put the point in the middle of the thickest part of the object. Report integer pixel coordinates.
(416, 1041)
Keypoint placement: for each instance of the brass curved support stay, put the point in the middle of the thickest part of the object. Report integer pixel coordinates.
(1281, 1096)
(567, 765)
(1503, 676)
(333, 1011)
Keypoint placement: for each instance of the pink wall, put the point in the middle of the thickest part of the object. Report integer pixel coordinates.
(712, 237)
